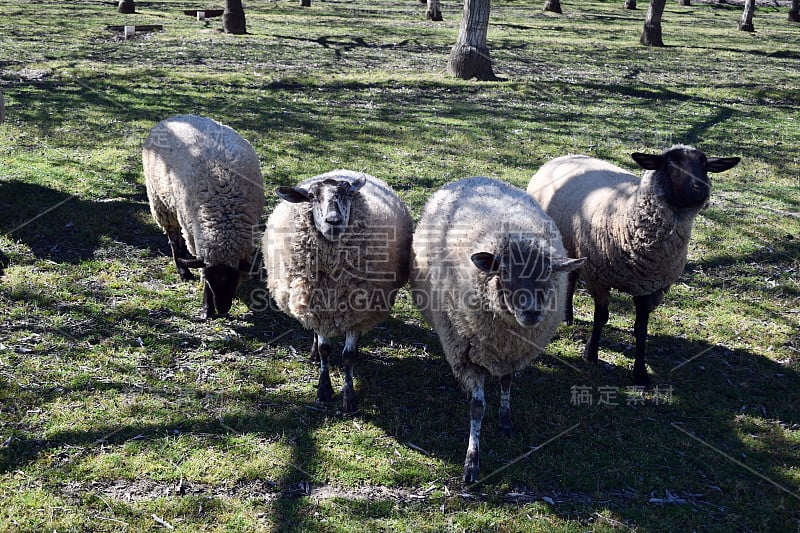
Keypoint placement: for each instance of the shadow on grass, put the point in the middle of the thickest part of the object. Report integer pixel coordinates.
(728, 402)
(65, 228)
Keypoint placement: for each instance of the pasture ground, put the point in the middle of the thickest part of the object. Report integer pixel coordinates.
(121, 410)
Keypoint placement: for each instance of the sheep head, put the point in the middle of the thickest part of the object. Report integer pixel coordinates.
(527, 276)
(220, 283)
(330, 199)
(681, 173)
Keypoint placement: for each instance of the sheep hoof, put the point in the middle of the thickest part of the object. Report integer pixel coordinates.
(324, 395)
(640, 378)
(471, 468)
(506, 427)
(324, 388)
(349, 404)
(186, 274)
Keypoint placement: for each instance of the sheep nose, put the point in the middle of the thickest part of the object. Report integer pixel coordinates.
(333, 218)
(529, 317)
(698, 185)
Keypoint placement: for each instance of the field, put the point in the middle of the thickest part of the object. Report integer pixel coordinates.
(122, 410)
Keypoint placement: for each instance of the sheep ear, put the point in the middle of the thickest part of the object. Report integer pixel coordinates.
(356, 185)
(567, 265)
(485, 262)
(294, 195)
(648, 161)
(721, 164)
(191, 263)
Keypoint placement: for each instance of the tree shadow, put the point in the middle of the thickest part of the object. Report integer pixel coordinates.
(406, 388)
(67, 229)
(3, 263)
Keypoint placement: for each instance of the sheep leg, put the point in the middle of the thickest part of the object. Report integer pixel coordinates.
(572, 282)
(349, 356)
(600, 320)
(505, 405)
(315, 350)
(644, 305)
(209, 309)
(180, 251)
(322, 347)
(476, 409)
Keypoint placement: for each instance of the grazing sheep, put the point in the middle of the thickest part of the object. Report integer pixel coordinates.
(633, 233)
(336, 253)
(206, 192)
(489, 274)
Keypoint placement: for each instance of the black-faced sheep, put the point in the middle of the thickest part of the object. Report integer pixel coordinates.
(336, 252)
(633, 233)
(206, 192)
(489, 274)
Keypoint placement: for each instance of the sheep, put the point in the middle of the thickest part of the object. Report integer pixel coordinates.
(336, 252)
(206, 192)
(488, 273)
(633, 233)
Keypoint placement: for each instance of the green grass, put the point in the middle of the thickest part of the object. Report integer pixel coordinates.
(121, 410)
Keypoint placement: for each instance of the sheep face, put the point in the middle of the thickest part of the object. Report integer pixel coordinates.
(330, 200)
(219, 289)
(682, 174)
(527, 277)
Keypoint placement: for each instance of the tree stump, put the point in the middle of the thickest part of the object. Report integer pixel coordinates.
(233, 20)
(469, 57)
(746, 23)
(434, 11)
(467, 62)
(553, 6)
(794, 15)
(630, 4)
(126, 7)
(305, 3)
(684, 2)
(651, 32)
(651, 35)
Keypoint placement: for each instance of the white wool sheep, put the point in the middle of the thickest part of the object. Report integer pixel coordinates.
(336, 251)
(633, 233)
(489, 274)
(207, 194)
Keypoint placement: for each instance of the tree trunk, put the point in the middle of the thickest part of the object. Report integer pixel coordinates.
(746, 24)
(434, 11)
(233, 17)
(630, 4)
(305, 3)
(794, 11)
(469, 57)
(553, 5)
(651, 33)
(126, 7)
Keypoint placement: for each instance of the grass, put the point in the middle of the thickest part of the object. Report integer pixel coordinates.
(121, 410)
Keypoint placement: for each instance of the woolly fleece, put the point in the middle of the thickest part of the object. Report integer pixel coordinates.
(348, 285)
(205, 179)
(631, 239)
(462, 303)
